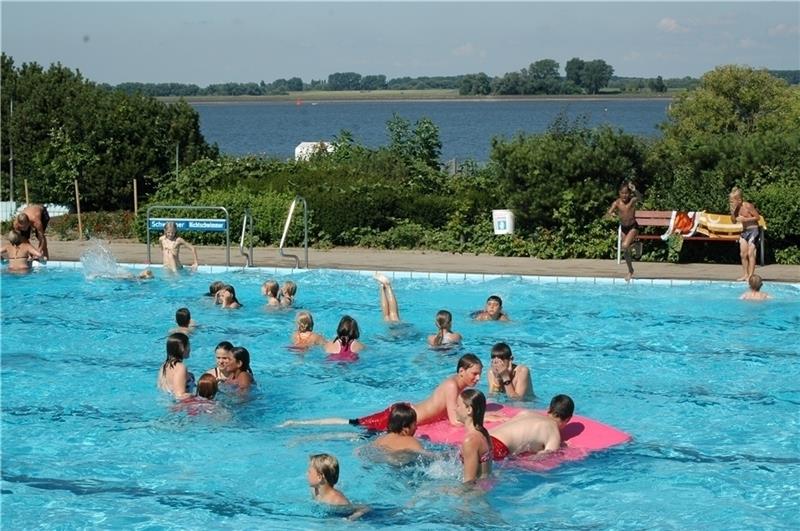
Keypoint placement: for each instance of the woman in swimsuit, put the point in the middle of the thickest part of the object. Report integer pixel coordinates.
(171, 246)
(19, 253)
(305, 337)
(174, 377)
(239, 372)
(224, 355)
(346, 346)
(445, 337)
(476, 450)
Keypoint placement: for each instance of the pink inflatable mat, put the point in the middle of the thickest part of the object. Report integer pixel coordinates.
(581, 436)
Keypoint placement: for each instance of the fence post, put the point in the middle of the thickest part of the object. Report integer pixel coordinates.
(135, 199)
(78, 206)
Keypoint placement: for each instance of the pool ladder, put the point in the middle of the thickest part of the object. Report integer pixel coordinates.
(286, 231)
(247, 228)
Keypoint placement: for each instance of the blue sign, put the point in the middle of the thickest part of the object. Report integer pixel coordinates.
(197, 225)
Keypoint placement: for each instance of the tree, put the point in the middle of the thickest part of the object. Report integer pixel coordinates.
(595, 75)
(344, 81)
(574, 70)
(377, 82)
(544, 69)
(657, 85)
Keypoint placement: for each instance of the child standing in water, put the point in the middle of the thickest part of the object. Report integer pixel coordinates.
(19, 252)
(288, 292)
(270, 290)
(183, 318)
(445, 337)
(170, 246)
(304, 336)
(322, 475)
(625, 206)
(754, 293)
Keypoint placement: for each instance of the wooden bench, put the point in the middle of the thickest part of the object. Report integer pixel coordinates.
(661, 218)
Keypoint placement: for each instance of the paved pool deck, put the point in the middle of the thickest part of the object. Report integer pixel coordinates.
(433, 261)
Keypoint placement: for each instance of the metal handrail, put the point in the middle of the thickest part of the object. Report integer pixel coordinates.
(247, 217)
(192, 207)
(286, 231)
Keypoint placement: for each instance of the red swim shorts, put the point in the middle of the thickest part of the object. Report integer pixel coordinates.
(377, 421)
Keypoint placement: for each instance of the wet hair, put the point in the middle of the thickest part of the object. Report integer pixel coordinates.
(401, 415)
(624, 185)
(755, 282)
(444, 322)
(270, 288)
(736, 192)
(232, 290)
(476, 400)
(183, 317)
(468, 360)
(305, 322)
(207, 386)
(214, 287)
(171, 225)
(289, 288)
(23, 219)
(327, 466)
(495, 298)
(177, 347)
(224, 345)
(347, 331)
(242, 355)
(15, 237)
(501, 350)
(561, 407)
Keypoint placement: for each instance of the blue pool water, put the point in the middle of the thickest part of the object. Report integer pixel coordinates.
(707, 385)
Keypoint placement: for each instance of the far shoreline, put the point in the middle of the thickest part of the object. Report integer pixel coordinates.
(434, 96)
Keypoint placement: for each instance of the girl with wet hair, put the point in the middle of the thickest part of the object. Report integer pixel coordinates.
(270, 290)
(239, 372)
(174, 377)
(288, 292)
(476, 450)
(227, 297)
(346, 346)
(445, 336)
(304, 336)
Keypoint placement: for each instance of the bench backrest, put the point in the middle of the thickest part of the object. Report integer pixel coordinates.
(653, 218)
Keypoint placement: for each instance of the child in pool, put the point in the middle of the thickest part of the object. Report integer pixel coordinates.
(227, 297)
(389, 308)
(505, 376)
(322, 475)
(346, 346)
(270, 290)
(213, 290)
(239, 372)
(19, 252)
(304, 336)
(755, 293)
(171, 245)
(288, 292)
(476, 450)
(174, 377)
(493, 311)
(402, 426)
(224, 356)
(186, 324)
(445, 337)
(203, 401)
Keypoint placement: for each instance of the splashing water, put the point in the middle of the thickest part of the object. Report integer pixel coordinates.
(98, 262)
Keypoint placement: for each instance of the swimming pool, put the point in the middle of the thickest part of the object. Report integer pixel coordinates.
(706, 384)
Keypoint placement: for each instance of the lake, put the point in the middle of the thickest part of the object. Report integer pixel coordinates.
(466, 127)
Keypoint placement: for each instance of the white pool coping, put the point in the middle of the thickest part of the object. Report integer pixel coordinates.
(447, 277)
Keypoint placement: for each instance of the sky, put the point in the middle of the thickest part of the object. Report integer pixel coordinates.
(217, 42)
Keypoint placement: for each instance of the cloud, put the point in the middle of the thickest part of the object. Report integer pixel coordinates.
(670, 25)
(467, 50)
(782, 30)
(747, 43)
